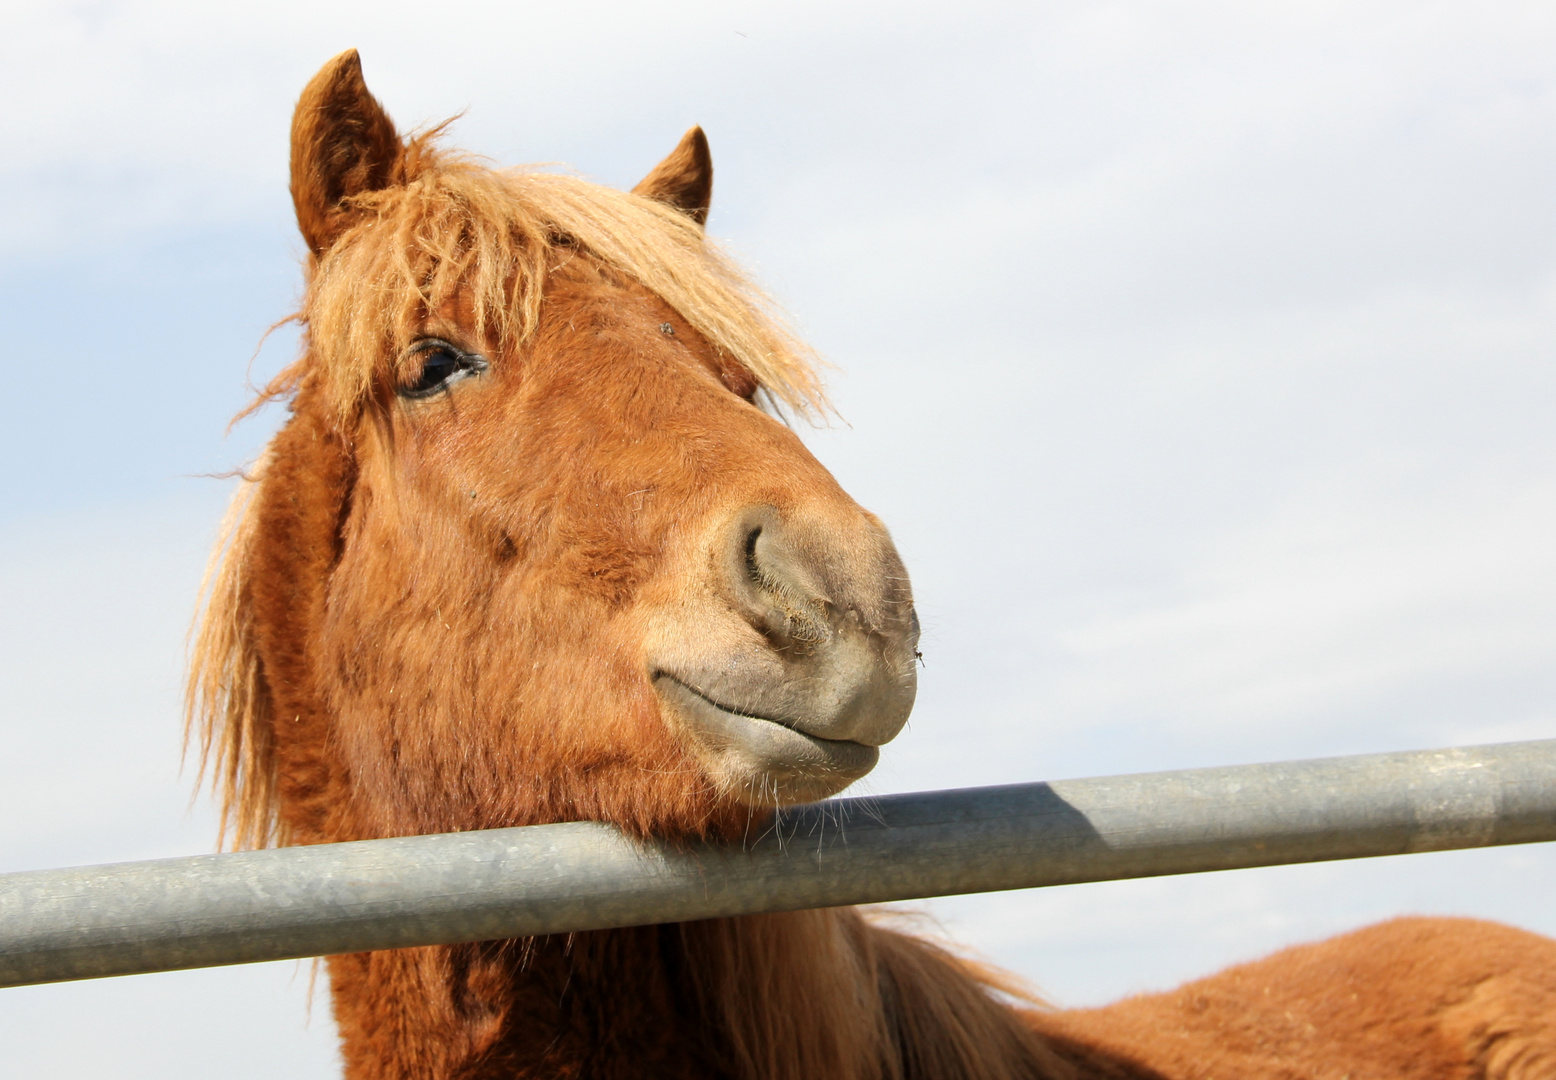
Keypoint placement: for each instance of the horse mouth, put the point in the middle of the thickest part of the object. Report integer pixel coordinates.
(761, 760)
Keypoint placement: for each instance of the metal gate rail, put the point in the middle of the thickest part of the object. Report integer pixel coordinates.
(334, 898)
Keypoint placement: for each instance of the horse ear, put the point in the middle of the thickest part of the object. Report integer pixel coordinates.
(343, 144)
(684, 180)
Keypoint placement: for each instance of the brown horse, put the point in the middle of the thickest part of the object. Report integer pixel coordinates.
(531, 549)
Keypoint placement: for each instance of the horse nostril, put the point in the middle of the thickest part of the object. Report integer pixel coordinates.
(777, 587)
(753, 571)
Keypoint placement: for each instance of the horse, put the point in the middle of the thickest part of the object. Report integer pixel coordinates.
(535, 545)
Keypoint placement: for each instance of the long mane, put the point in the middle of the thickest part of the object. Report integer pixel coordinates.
(448, 226)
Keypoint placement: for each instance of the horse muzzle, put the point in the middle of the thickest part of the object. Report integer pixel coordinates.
(788, 673)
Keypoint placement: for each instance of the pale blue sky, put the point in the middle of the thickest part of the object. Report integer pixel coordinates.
(1200, 356)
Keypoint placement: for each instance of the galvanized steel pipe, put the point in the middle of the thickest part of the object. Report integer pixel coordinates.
(381, 894)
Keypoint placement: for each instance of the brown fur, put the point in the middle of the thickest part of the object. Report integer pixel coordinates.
(1411, 999)
(431, 615)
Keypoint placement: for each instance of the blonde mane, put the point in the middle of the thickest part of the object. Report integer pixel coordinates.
(226, 710)
(491, 236)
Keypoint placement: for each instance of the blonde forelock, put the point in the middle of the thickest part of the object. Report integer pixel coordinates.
(492, 234)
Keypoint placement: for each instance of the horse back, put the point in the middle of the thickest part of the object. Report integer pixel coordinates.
(1408, 999)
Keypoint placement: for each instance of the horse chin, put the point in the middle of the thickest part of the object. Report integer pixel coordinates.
(762, 762)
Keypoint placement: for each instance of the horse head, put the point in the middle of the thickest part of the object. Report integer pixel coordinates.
(530, 547)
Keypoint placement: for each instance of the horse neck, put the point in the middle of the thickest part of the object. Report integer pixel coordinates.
(774, 997)
(777, 996)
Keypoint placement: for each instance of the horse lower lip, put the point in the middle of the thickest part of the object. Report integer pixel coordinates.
(765, 744)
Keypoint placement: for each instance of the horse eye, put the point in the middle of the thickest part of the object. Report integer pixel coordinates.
(442, 365)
